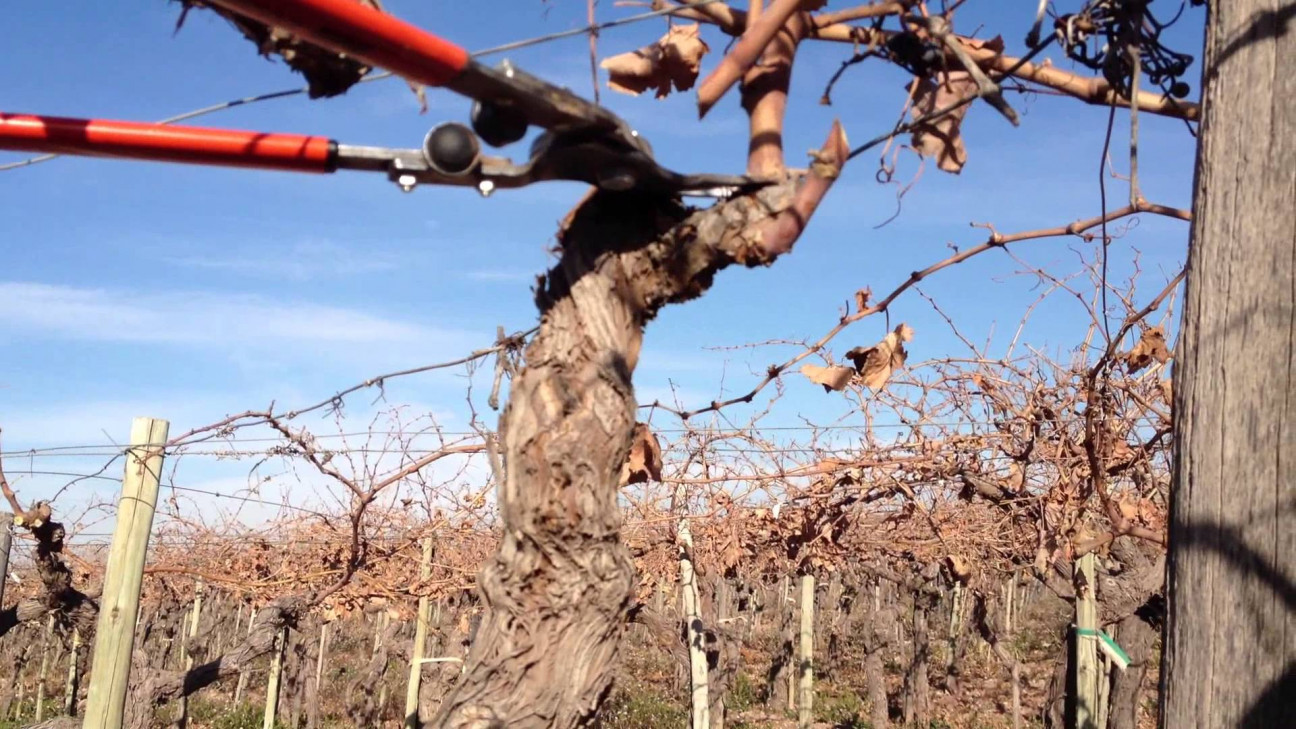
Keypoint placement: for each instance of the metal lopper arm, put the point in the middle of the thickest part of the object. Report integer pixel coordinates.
(583, 142)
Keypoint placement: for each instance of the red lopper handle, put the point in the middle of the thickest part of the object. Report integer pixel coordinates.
(362, 32)
(166, 143)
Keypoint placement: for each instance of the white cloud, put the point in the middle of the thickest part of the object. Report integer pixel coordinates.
(303, 260)
(192, 318)
(104, 422)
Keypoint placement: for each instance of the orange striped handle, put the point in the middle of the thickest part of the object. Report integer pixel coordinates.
(167, 143)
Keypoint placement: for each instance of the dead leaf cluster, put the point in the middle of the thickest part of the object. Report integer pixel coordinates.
(873, 365)
(672, 62)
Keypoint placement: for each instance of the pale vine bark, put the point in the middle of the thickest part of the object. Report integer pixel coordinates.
(1230, 654)
(559, 590)
(152, 687)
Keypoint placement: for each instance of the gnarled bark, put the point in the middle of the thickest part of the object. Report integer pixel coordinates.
(917, 706)
(560, 587)
(1136, 636)
(152, 687)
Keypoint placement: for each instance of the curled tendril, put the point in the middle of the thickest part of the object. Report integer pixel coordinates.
(1097, 37)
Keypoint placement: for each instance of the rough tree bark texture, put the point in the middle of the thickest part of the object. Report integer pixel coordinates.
(559, 590)
(917, 707)
(879, 633)
(152, 687)
(778, 687)
(73, 607)
(1136, 637)
(723, 639)
(1230, 656)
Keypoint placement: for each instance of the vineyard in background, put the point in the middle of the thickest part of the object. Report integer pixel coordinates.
(973, 539)
(924, 568)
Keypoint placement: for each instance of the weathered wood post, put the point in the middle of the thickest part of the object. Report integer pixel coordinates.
(792, 676)
(186, 645)
(313, 712)
(699, 701)
(70, 688)
(6, 543)
(242, 679)
(420, 639)
(44, 669)
(957, 599)
(124, 574)
(1009, 593)
(272, 684)
(319, 660)
(1229, 657)
(1086, 646)
(384, 621)
(805, 697)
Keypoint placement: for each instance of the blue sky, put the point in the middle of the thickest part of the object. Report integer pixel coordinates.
(188, 293)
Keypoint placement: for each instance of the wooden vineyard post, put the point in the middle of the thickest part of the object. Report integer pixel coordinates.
(1009, 593)
(420, 638)
(1086, 647)
(272, 684)
(44, 669)
(316, 698)
(957, 598)
(319, 660)
(384, 621)
(786, 592)
(699, 701)
(70, 688)
(805, 694)
(6, 543)
(1229, 657)
(124, 575)
(238, 620)
(186, 645)
(242, 679)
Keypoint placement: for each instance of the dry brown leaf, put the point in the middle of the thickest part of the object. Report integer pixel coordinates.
(674, 60)
(1151, 346)
(1167, 390)
(862, 298)
(327, 72)
(995, 44)
(1149, 513)
(1120, 451)
(1017, 477)
(1128, 509)
(941, 138)
(1041, 559)
(875, 364)
(959, 566)
(833, 377)
(645, 460)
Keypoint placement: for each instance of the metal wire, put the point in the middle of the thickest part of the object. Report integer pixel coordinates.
(100, 449)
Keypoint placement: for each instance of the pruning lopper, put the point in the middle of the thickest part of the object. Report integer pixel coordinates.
(582, 141)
